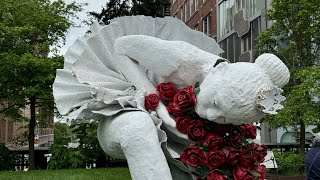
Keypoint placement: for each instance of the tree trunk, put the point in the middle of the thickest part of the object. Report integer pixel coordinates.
(32, 125)
(302, 136)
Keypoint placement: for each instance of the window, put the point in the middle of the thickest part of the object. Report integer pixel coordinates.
(226, 15)
(224, 46)
(246, 42)
(227, 10)
(206, 25)
(196, 27)
(195, 5)
(190, 7)
(186, 13)
(237, 47)
(251, 7)
(256, 30)
(181, 14)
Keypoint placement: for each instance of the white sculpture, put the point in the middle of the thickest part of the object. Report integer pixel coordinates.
(108, 73)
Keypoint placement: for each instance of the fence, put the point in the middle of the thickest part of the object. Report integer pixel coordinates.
(41, 156)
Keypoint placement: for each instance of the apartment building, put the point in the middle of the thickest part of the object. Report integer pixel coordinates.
(199, 15)
(239, 23)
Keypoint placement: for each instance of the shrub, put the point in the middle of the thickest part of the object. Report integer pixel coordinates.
(7, 159)
(66, 158)
(290, 163)
(87, 152)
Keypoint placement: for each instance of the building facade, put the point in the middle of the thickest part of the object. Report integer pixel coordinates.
(11, 131)
(239, 22)
(234, 24)
(199, 15)
(6, 131)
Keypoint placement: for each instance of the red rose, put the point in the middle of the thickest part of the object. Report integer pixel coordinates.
(197, 131)
(234, 140)
(223, 129)
(151, 101)
(170, 107)
(241, 173)
(214, 141)
(247, 158)
(232, 155)
(215, 158)
(183, 101)
(183, 124)
(259, 151)
(249, 131)
(166, 91)
(216, 175)
(261, 170)
(193, 156)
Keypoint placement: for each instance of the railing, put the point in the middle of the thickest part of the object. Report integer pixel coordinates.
(107, 161)
(286, 147)
(22, 163)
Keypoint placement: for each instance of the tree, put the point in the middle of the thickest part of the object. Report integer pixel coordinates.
(295, 38)
(114, 8)
(28, 28)
(154, 8)
(62, 133)
(117, 8)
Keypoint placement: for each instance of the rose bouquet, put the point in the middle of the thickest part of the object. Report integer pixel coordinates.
(220, 151)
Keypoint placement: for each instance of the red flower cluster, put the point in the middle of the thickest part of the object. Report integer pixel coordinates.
(219, 148)
(225, 147)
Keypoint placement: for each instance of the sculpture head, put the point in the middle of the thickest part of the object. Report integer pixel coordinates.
(242, 92)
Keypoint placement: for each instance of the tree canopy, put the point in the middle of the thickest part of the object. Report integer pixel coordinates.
(113, 9)
(28, 28)
(116, 8)
(295, 38)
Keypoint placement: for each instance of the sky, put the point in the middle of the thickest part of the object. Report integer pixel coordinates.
(74, 33)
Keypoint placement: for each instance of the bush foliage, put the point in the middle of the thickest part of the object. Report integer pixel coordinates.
(87, 152)
(7, 159)
(290, 163)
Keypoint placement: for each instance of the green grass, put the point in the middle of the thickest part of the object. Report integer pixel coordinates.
(71, 174)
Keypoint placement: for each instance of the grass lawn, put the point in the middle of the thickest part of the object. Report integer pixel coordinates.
(72, 174)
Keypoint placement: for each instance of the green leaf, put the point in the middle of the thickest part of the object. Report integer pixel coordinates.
(196, 90)
(197, 84)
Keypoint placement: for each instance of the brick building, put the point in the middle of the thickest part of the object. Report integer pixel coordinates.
(234, 24)
(6, 131)
(11, 130)
(197, 14)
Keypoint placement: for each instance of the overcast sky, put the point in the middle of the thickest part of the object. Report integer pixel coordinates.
(74, 33)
